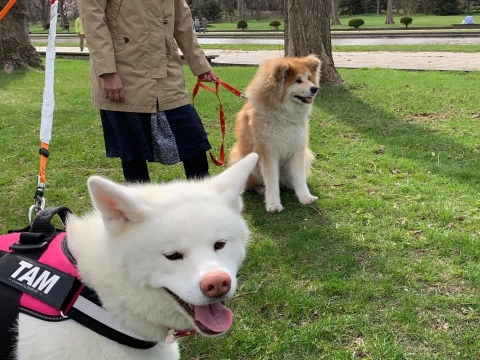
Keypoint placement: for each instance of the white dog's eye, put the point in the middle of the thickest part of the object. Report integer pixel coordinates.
(219, 245)
(299, 81)
(174, 256)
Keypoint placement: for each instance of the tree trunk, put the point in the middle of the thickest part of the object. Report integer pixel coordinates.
(378, 7)
(16, 50)
(307, 31)
(258, 10)
(241, 9)
(335, 18)
(45, 14)
(389, 19)
(63, 15)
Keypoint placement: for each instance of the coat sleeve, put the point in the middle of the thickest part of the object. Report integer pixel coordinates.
(100, 45)
(187, 40)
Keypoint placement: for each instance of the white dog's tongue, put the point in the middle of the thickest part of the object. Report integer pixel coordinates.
(309, 100)
(216, 317)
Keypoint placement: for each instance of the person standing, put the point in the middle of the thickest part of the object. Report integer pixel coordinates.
(138, 83)
(196, 24)
(204, 24)
(80, 32)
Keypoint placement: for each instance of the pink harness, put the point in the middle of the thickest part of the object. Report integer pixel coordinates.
(56, 258)
(38, 277)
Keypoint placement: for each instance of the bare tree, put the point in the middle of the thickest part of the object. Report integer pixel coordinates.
(63, 15)
(335, 18)
(258, 8)
(16, 50)
(241, 9)
(389, 19)
(427, 6)
(307, 31)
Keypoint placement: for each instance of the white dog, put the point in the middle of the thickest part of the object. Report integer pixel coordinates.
(160, 257)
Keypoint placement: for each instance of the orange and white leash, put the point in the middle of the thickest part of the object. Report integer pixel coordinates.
(234, 91)
(47, 113)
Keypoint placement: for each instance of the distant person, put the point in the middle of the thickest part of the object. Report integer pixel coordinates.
(79, 31)
(196, 24)
(469, 20)
(204, 24)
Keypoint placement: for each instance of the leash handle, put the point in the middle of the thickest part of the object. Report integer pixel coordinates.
(234, 91)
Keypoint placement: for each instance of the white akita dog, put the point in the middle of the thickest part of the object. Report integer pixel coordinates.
(160, 257)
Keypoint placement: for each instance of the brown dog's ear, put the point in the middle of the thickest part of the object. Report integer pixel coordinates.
(277, 75)
(281, 72)
(313, 62)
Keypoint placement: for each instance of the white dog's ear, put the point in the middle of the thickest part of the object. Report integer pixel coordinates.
(231, 183)
(118, 204)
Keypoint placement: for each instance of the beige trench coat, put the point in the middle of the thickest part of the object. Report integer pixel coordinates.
(137, 39)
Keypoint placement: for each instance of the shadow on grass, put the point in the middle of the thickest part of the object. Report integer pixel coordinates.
(5, 79)
(404, 139)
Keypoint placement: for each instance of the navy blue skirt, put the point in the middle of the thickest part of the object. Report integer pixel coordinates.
(168, 136)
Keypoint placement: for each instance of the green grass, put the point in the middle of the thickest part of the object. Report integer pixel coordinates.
(335, 48)
(386, 264)
(371, 21)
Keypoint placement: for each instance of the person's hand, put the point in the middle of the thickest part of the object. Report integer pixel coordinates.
(112, 87)
(208, 77)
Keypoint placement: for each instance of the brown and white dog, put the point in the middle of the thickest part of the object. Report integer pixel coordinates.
(274, 124)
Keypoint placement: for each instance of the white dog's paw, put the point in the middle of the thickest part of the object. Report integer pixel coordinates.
(307, 199)
(276, 207)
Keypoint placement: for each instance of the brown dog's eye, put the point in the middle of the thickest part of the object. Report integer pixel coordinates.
(219, 245)
(299, 81)
(174, 256)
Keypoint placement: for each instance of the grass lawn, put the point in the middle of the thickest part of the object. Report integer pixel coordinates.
(335, 48)
(386, 264)
(371, 20)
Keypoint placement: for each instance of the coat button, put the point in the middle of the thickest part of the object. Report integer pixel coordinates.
(165, 21)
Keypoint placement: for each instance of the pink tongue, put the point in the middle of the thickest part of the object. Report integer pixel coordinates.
(216, 317)
(308, 100)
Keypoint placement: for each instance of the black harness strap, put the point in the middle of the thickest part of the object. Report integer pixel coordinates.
(9, 315)
(33, 240)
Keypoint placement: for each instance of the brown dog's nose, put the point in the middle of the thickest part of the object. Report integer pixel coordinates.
(216, 284)
(314, 89)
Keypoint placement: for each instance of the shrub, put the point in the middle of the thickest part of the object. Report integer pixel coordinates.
(275, 24)
(406, 20)
(242, 24)
(356, 23)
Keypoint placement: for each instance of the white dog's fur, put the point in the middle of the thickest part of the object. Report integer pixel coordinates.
(120, 249)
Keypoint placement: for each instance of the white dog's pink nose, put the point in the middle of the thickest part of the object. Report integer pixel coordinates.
(216, 284)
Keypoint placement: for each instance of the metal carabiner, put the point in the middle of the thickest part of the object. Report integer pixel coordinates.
(35, 209)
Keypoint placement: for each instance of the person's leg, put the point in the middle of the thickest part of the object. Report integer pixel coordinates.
(135, 171)
(127, 135)
(81, 36)
(196, 167)
(191, 140)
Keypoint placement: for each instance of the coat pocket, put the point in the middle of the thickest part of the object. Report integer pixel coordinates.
(118, 43)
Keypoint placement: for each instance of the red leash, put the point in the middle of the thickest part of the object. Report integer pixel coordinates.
(234, 91)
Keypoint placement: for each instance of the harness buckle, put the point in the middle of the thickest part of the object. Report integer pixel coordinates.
(18, 247)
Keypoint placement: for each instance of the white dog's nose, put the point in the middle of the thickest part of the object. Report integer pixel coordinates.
(216, 284)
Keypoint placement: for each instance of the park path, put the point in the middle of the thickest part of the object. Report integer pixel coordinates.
(354, 60)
